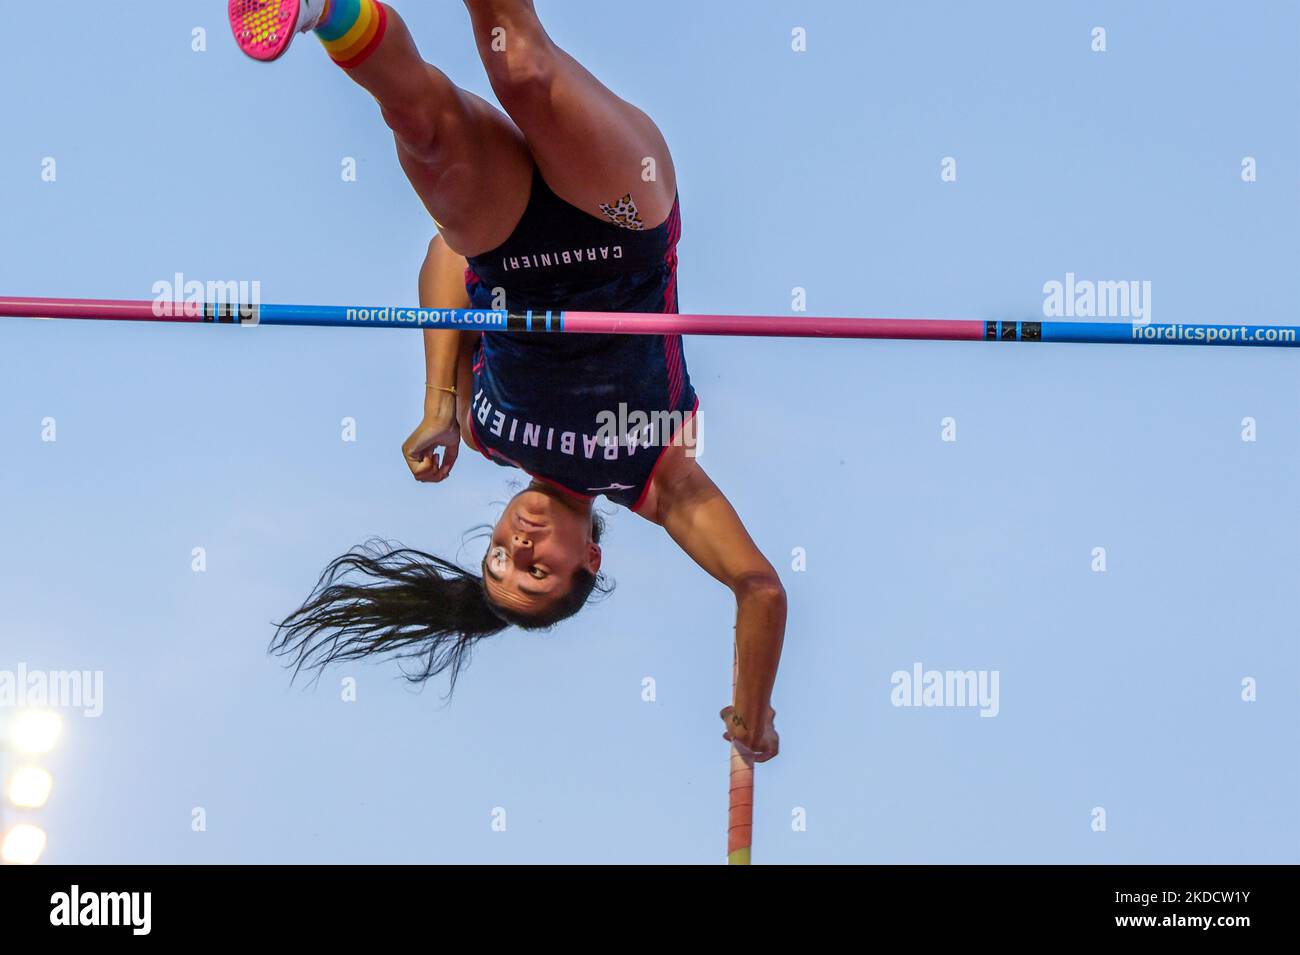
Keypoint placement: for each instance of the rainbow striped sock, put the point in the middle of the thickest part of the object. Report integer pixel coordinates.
(351, 30)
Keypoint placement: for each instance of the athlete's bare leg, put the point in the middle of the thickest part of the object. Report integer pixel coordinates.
(592, 147)
(468, 162)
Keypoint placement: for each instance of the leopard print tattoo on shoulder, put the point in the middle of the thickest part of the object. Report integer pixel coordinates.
(624, 214)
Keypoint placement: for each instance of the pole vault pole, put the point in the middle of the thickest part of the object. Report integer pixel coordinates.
(740, 803)
(626, 323)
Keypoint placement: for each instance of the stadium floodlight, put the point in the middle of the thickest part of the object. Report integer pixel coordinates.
(29, 787)
(22, 845)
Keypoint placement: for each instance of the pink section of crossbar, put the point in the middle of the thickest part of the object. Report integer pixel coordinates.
(91, 308)
(789, 326)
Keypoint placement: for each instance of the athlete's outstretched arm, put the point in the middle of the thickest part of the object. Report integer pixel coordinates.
(442, 285)
(698, 516)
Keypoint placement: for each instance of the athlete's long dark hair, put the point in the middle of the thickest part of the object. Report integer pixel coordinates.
(382, 598)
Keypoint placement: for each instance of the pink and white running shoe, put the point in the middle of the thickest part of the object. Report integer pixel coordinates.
(265, 28)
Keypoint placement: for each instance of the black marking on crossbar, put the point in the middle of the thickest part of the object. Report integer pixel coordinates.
(1013, 331)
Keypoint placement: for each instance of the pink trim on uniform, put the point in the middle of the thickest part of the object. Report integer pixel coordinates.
(489, 452)
(673, 362)
(673, 343)
(559, 487)
(649, 481)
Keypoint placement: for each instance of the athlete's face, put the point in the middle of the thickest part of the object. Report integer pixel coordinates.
(537, 546)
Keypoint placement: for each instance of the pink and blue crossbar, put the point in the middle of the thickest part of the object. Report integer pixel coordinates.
(623, 323)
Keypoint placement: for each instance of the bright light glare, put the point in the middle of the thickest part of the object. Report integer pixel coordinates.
(23, 845)
(35, 731)
(29, 787)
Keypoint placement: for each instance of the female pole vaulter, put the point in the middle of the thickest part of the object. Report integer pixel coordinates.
(566, 200)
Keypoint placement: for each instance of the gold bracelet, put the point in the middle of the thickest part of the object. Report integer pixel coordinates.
(450, 391)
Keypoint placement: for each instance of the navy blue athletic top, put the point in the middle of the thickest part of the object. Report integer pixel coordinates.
(565, 407)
